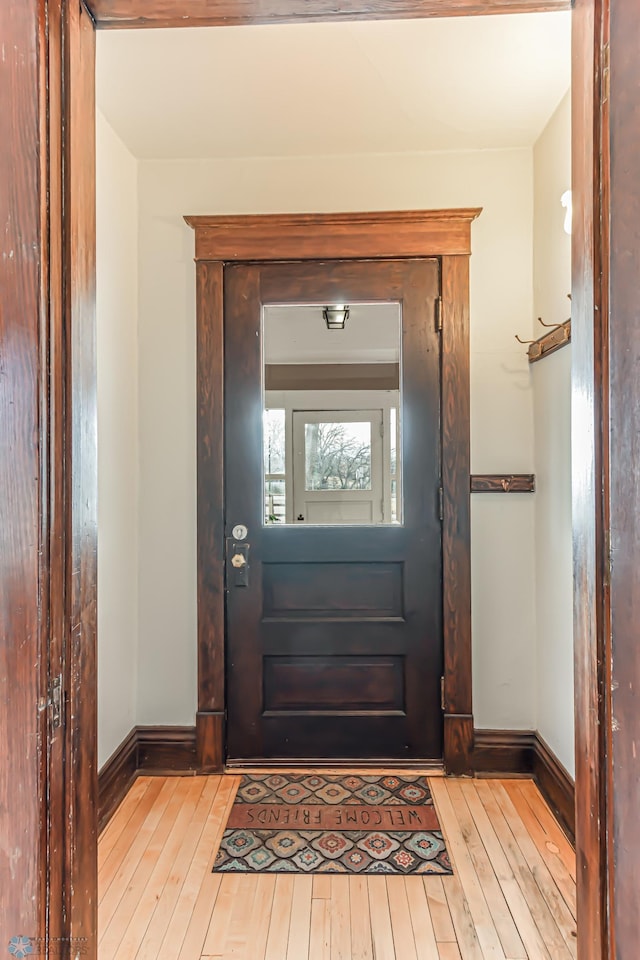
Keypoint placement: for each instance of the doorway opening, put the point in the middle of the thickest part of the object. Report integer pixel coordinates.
(489, 159)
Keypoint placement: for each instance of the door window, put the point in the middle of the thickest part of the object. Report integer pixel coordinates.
(332, 413)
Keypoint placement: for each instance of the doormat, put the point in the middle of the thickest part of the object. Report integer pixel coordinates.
(301, 823)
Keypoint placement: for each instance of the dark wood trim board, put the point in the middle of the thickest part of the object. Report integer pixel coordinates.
(503, 483)
(166, 750)
(620, 245)
(210, 501)
(80, 455)
(503, 752)
(556, 786)
(382, 235)
(192, 13)
(24, 480)
(116, 776)
(591, 425)
(456, 526)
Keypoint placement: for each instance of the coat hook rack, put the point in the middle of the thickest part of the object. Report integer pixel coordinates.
(558, 336)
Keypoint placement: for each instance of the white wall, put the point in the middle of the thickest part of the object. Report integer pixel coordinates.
(117, 301)
(552, 405)
(502, 404)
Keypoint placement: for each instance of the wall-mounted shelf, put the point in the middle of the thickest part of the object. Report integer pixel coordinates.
(503, 483)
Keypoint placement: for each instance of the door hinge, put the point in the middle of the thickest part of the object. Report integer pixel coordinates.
(442, 702)
(55, 701)
(382, 428)
(438, 309)
(440, 503)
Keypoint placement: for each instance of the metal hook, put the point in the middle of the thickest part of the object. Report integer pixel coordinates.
(532, 352)
(550, 326)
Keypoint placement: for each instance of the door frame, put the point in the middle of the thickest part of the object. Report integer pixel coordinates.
(441, 234)
(51, 195)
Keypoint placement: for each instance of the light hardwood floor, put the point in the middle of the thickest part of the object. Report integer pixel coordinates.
(512, 896)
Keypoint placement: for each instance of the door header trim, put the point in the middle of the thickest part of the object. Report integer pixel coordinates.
(114, 14)
(335, 236)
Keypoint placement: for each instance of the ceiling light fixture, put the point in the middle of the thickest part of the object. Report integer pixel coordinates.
(336, 316)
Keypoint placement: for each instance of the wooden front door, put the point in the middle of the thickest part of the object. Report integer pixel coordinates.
(334, 631)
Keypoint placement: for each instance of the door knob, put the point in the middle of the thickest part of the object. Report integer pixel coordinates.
(238, 560)
(300, 517)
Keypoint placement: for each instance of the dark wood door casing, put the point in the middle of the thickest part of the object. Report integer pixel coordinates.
(589, 312)
(444, 234)
(24, 27)
(48, 513)
(23, 636)
(116, 14)
(620, 189)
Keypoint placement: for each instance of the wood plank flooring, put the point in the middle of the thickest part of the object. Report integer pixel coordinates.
(512, 896)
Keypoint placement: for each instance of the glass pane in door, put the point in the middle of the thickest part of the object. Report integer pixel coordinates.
(332, 376)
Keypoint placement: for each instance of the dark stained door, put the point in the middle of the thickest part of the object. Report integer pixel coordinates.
(334, 633)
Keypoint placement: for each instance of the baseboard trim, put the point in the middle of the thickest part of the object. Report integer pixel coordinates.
(525, 753)
(499, 752)
(556, 785)
(167, 750)
(147, 750)
(115, 778)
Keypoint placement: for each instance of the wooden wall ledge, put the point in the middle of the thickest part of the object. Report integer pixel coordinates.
(503, 483)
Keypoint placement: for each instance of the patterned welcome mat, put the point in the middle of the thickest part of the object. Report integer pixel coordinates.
(301, 823)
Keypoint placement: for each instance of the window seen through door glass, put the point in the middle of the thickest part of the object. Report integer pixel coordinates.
(393, 462)
(332, 424)
(337, 456)
(275, 499)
